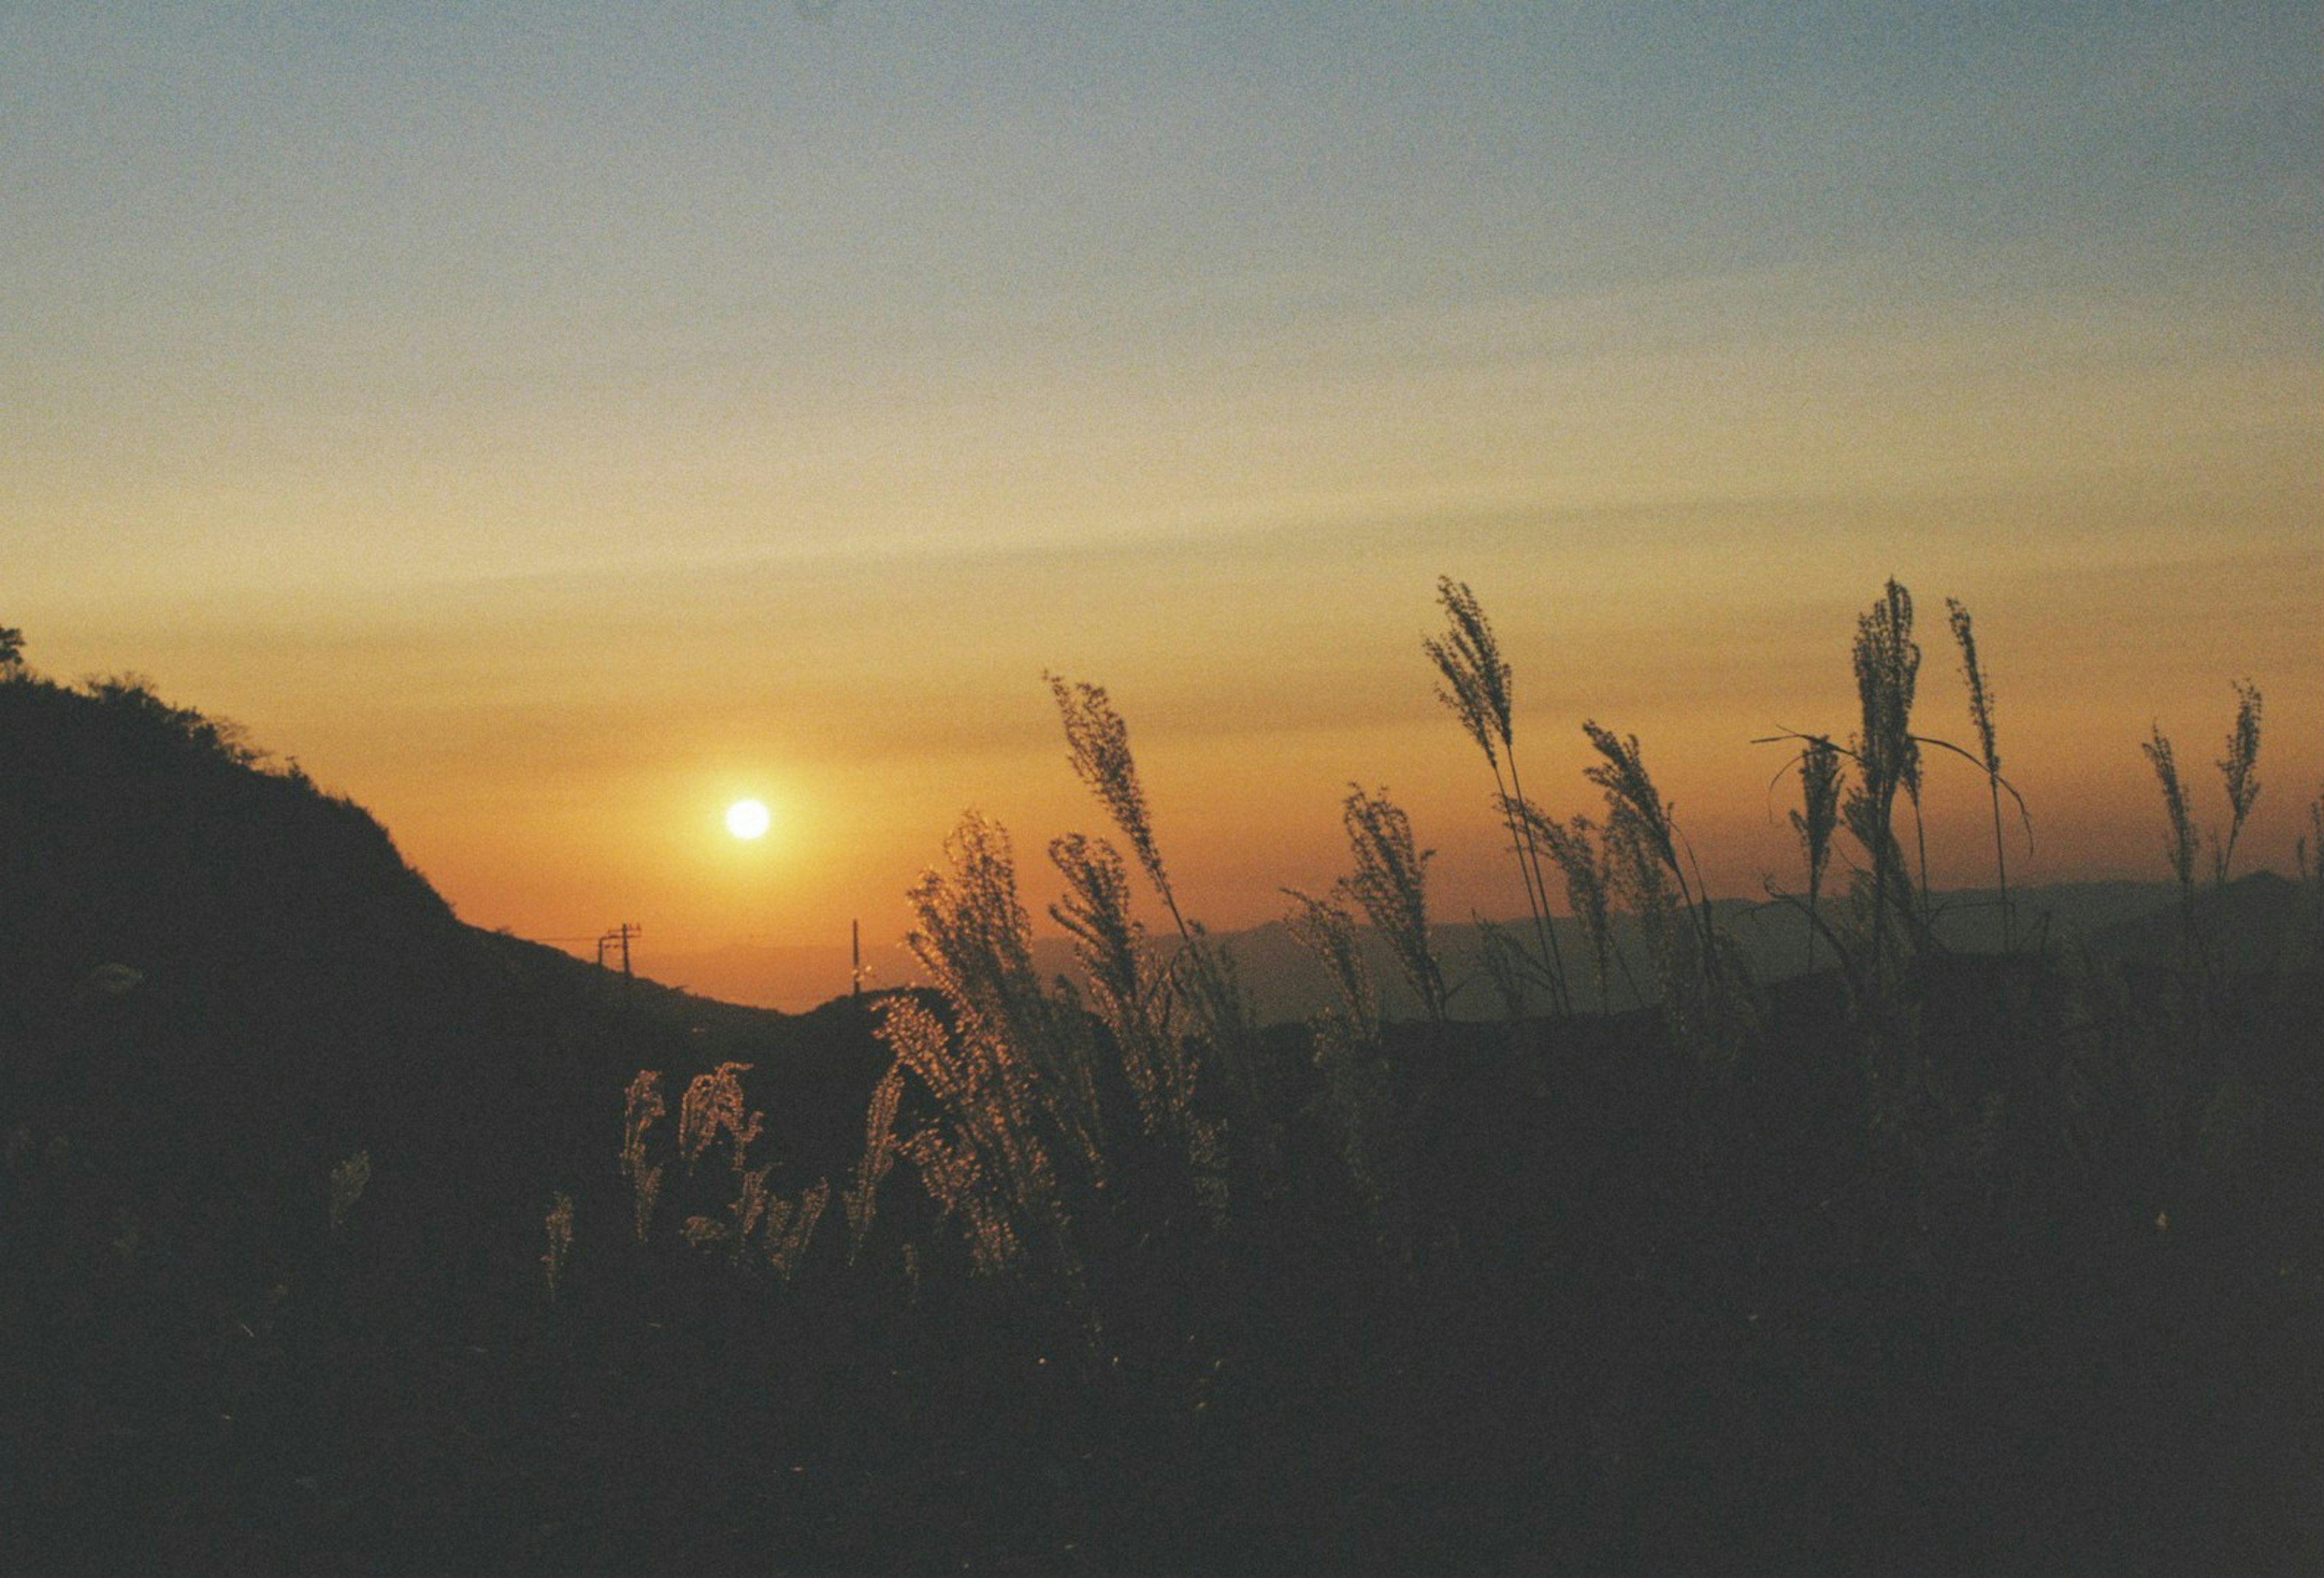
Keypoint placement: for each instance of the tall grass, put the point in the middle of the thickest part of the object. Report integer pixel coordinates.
(1887, 662)
(1132, 995)
(1816, 820)
(1390, 883)
(2239, 768)
(1017, 1124)
(1220, 1041)
(1477, 688)
(1706, 998)
(862, 1200)
(2239, 772)
(1577, 849)
(641, 1108)
(1014, 1068)
(2180, 841)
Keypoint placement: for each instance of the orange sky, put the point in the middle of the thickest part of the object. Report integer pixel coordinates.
(548, 433)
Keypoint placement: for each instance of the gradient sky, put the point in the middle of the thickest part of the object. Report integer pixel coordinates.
(551, 423)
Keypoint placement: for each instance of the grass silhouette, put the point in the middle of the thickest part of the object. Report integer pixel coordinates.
(1931, 1261)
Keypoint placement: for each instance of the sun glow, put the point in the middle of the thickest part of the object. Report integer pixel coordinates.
(748, 820)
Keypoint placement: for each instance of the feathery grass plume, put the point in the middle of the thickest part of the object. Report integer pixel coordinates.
(1133, 1000)
(1390, 883)
(1109, 945)
(2240, 768)
(985, 1097)
(1820, 783)
(640, 1109)
(1578, 851)
(862, 1200)
(1477, 688)
(1887, 662)
(559, 1225)
(955, 1181)
(792, 1231)
(1635, 808)
(990, 1076)
(348, 1179)
(1705, 987)
(974, 939)
(712, 1105)
(1637, 872)
(749, 1206)
(1476, 679)
(1202, 974)
(1205, 977)
(1980, 713)
(1326, 930)
(1097, 745)
(2180, 846)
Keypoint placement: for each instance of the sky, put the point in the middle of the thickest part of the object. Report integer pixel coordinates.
(550, 424)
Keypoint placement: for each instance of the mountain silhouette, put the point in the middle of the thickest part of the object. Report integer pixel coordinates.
(226, 981)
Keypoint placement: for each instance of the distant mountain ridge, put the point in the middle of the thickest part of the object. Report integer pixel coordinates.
(2113, 920)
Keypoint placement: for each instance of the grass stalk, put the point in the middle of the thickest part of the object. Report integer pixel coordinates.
(1980, 713)
(1476, 687)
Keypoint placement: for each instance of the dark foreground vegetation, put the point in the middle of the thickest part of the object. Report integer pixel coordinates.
(337, 1236)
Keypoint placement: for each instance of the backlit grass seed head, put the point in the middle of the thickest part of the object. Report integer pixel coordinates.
(1632, 801)
(1108, 942)
(863, 1197)
(956, 1183)
(972, 935)
(2180, 833)
(1887, 672)
(1476, 679)
(2239, 765)
(2240, 770)
(1125, 984)
(1390, 883)
(640, 1108)
(712, 1105)
(1097, 744)
(975, 940)
(1819, 806)
(1581, 860)
(1980, 685)
(790, 1237)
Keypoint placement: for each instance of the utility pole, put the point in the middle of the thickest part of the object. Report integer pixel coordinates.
(620, 936)
(855, 949)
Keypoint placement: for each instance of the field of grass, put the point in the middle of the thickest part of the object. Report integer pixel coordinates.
(336, 1236)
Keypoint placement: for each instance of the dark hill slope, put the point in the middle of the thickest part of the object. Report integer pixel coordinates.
(225, 981)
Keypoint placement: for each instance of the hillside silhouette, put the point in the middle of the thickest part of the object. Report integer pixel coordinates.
(2015, 1263)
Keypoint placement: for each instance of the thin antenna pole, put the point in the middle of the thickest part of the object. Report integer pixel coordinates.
(856, 949)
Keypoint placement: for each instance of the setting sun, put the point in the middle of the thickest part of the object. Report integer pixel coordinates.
(748, 820)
